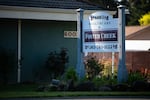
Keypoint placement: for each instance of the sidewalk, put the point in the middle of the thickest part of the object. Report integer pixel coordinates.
(88, 98)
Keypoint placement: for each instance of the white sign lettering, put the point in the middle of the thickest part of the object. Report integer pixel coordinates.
(102, 47)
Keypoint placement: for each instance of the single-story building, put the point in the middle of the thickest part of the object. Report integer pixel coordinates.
(138, 48)
(34, 28)
(138, 38)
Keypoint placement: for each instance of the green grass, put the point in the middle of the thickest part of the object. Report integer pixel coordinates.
(68, 94)
(19, 91)
(18, 87)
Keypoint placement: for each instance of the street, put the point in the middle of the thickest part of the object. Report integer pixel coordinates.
(84, 98)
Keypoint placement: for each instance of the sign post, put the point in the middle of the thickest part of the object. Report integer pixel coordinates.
(80, 65)
(122, 71)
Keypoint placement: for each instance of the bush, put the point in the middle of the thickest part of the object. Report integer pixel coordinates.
(140, 85)
(134, 76)
(93, 68)
(70, 77)
(71, 74)
(121, 87)
(85, 86)
(56, 63)
(104, 81)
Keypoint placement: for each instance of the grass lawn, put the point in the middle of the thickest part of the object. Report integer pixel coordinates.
(18, 91)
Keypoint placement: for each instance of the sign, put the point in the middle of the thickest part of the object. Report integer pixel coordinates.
(102, 47)
(70, 34)
(100, 36)
(100, 33)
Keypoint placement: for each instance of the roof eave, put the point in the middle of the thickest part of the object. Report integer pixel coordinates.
(43, 13)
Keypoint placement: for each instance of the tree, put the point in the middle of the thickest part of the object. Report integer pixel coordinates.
(107, 4)
(145, 19)
(137, 8)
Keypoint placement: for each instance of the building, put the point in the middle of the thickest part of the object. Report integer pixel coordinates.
(137, 50)
(33, 28)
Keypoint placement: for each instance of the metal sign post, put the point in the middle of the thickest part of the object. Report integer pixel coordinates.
(122, 71)
(80, 64)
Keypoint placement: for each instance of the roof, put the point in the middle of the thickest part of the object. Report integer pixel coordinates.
(62, 4)
(133, 31)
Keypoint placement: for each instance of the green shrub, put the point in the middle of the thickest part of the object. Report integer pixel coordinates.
(107, 71)
(104, 81)
(71, 74)
(134, 76)
(56, 63)
(93, 68)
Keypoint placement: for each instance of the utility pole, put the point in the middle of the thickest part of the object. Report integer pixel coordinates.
(122, 70)
(80, 64)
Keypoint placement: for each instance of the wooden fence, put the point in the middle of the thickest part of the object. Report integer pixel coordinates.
(135, 60)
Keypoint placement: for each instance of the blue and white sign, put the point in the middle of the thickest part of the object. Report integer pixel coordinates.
(100, 33)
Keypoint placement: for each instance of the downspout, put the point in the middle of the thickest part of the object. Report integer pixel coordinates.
(19, 53)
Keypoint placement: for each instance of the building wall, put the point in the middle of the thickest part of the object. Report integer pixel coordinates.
(8, 41)
(39, 38)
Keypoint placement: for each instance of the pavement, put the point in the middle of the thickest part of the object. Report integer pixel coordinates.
(85, 98)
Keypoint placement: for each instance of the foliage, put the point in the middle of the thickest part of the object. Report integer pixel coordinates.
(107, 72)
(71, 74)
(85, 86)
(145, 19)
(137, 8)
(56, 63)
(7, 63)
(134, 76)
(107, 4)
(104, 81)
(93, 67)
(107, 69)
